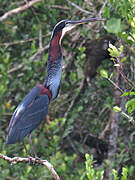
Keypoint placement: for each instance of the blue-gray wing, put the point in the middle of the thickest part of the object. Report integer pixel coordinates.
(28, 115)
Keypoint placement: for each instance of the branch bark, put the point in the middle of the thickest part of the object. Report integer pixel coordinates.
(19, 9)
(15, 160)
(113, 127)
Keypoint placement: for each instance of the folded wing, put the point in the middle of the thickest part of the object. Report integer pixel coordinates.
(28, 115)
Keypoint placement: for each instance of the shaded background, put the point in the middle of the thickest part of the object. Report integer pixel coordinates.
(83, 109)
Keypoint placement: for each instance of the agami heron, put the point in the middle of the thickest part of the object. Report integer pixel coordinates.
(34, 107)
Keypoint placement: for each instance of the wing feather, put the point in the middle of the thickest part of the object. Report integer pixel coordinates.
(28, 115)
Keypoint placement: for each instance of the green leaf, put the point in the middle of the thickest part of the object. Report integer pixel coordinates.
(123, 59)
(116, 109)
(121, 49)
(114, 25)
(124, 173)
(128, 93)
(113, 51)
(115, 174)
(104, 73)
(130, 105)
(106, 12)
(87, 156)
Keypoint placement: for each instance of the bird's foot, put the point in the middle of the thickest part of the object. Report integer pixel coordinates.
(30, 159)
(37, 158)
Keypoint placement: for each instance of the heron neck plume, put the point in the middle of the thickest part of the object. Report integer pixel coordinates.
(55, 48)
(52, 81)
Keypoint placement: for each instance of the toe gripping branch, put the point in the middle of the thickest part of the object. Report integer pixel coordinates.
(45, 91)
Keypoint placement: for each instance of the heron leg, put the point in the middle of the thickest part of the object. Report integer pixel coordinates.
(32, 146)
(26, 150)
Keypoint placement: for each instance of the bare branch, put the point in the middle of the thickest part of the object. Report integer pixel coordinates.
(15, 160)
(59, 7)
(14, 69)
(39, 51)
(115, 85)
(18, 3)
(19, 9)
(127, 80)
(40, 37)
(18, 42)
(40, 27)
(78, 7)
(23, 41)
(101, 10)
(130, 118)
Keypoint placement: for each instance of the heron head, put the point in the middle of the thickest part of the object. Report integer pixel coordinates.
(65, 26)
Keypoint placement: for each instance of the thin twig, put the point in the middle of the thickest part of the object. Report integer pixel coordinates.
(17, 3)
(40, 50)
(15, 160)
(130, 118)
(115, 85)
(40, 37)
(59, 7)
(132, 136)
(19, 9)
(74, 100)
(40, 27)
(78, 7)
(127, 80)
(23, 41)
(101, 9)
(14, 69)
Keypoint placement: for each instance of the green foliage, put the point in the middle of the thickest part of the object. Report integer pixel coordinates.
(113, 51)
(91, 173)
(128, 93)
(94, 174)
(104, 73)
(124, 174)
(114, 25)
(116, 55)
(115, 174)
(130, 104)
(124, 14)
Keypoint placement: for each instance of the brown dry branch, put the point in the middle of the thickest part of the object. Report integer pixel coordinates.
(127, 80)
(17, 3)
(23, 41)
(15, 160)
(19, 9)
(78, 7)
(116, 86)
(14, 69)
(101, 9)
(59, 7)
(18, 42)
(130, 118)
(40, 26)
(100, 12)
(39, 51)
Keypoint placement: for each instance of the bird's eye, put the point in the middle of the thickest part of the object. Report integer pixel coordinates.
(66, 22)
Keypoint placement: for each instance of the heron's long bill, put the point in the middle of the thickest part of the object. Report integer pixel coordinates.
(87, 20)
(72, 24)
